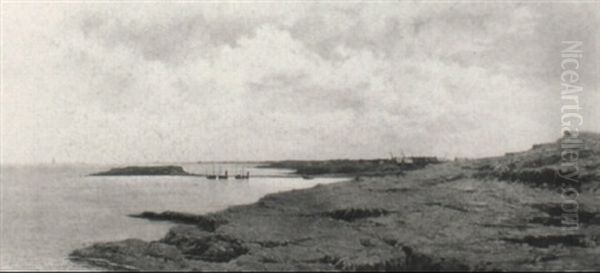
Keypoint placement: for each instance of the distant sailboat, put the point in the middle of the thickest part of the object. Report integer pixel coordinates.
(242, 176)
(212, 176)
(220, 175)
(223, 177)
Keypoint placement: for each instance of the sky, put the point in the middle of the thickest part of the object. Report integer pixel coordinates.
(110, 82)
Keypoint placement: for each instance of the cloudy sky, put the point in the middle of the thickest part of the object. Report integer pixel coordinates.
(145, 82)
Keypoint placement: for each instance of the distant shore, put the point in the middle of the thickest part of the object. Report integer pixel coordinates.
(144, 170)
(303, 168)
(493, 214)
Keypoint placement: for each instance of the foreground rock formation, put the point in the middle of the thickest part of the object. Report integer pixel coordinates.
(487, 214)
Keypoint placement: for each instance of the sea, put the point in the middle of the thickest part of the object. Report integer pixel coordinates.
(48, 211)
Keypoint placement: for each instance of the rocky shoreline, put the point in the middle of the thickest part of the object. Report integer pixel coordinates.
(494, 214)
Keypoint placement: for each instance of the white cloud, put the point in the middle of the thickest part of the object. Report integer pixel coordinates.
(123, 82)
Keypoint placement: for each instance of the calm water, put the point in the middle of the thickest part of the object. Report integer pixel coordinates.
(46, 212)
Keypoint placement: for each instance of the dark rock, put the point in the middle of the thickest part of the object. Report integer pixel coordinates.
(207, 223)
(555, 214)
(352, 214)
(546, 241)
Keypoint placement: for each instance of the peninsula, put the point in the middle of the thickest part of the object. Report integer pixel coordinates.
(144, 170)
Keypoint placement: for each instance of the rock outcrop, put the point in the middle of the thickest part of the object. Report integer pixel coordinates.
(540, 166)
(208, 223)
